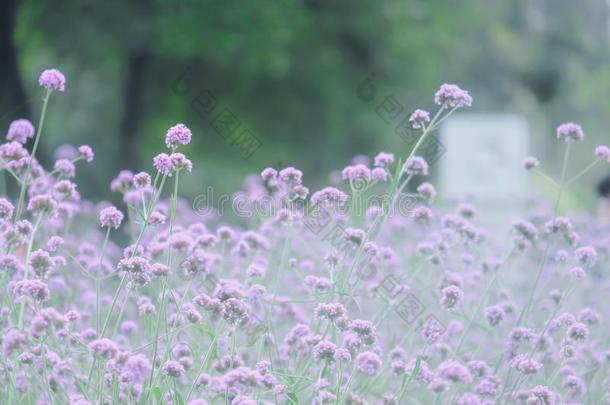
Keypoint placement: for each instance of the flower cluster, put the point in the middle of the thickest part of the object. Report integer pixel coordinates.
(148, 302)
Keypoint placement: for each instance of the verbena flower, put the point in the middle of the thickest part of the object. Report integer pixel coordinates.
(6, 209)
(179, 134)
(416, 165)
(20, 131)
(111, 217)
(368, 363)
(52, 79)
(419, 118)
(452, 96)
(570, 132)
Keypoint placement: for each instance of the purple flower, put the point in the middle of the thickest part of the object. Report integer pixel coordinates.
(269, 174)
(416, 165)
(383, 159)
(65, 167)
(105, 348)
(141, 180)
(419, 118)
(368, 363)
(329, 195)
(324, 350)
(525, 364)
(290, 175)
(52, 79)
(41, 262)
(179, 162)
(6, 209)
(42, 205)
(452, 96)
(570, 132)
(122, 182)
(455, 372)
(86, 152)
(379, 174)
(577, 332)
(163, 164)
(451, 296)
(356, 172)
(179, 134)
(138, 368)
(541, 395)
(111, 217)
(173, 369)
(530, 163)
(20, 131)
(33, 288)
(586, 255)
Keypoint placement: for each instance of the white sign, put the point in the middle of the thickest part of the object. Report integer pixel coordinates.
(483, 158)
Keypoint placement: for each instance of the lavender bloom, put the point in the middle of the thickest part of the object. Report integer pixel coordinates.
(419, 118)
(269, 174)
(42, 205)
(111, 217)
(356, 172)
(33, 288)
(179, 162)
(142, 180)
(41, 262)
(20, 131)
(586, 255)
(541, 395)
(416, 165)
(455, 372)
(530, 163)
(290, 175)
(179, 134)
(570, 132)
(6, 209)
(52, 79)
(577, 332)
(104, 348)
(451, 296)
(452, 96)
(136, 369)
(173, 369)
(163, 164)
(324, 350)
(86, 152)
(494, 315)
(383, 159)
(602, 152)
(65, 167)
(525, 364)
(329, 195)
(368, 363)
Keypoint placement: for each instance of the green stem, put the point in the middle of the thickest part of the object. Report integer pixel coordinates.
(97, 283)
(524, 312)
(28, 170)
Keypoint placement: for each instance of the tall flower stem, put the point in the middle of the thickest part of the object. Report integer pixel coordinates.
(28, 170)
(97, 283)
(26, 273)
(162, 310)
(135, 249)
(562, 184)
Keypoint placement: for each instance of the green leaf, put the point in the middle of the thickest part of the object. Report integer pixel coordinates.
(158, 394)
(292, 398)
(179, 400)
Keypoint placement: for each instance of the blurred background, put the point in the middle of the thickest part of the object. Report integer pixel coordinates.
(289, 72)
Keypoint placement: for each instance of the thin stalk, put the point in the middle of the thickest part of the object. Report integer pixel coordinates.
(28, 170)
(524, 312)
(97, 283)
